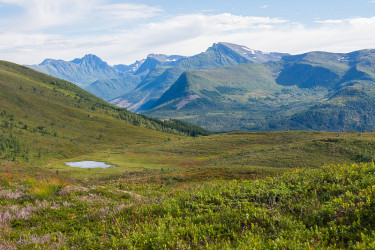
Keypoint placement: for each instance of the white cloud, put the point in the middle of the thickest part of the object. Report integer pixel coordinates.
(127, 11)
(45, 13)
(264, 6)
(330, 21)
(188, 35)
(331, 35)
(182, 34)
(197, 24)
(40, 14)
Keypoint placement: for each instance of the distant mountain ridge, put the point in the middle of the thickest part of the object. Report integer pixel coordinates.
(312, 91)
(157, 60)
(219, 55)
(139, 85)
(101, 79)
(246, 53)
(81, 71)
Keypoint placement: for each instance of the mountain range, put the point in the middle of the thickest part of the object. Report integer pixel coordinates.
(161, 79)
(81, 71)
(138, 85)
(101, 79)
(231, 87)
(313, 91)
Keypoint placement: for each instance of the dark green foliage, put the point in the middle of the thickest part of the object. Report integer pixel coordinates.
(188, 128)
(169, 126)
(351, 108)
(354, 75)
(307, 76)
(11, 148)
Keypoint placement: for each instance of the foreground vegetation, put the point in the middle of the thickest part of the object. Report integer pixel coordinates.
(317, 208)
(237, 190)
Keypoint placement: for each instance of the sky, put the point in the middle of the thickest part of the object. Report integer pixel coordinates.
(121, 32)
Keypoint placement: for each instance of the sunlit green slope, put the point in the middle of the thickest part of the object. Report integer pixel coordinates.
(52, 117)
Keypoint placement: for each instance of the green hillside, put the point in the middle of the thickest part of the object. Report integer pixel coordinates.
(55, 118)
(242, 97)
(276, 95)
(351, 108)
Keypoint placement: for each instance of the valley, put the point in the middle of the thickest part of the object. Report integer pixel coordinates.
(175, 185)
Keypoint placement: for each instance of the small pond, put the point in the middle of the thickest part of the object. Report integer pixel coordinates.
(89, 164)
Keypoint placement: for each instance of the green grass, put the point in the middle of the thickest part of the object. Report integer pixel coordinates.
(217, 157)
(180, 193)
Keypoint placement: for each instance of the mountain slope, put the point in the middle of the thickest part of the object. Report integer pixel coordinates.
(129, 69)
(260, 96)
(56, 118)
(222, 54)
(242, 97)
(351, 108)
(313, 69)
(109, 89)
(156, 60)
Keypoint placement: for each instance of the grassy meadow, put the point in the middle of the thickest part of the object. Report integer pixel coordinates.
(236, 190)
